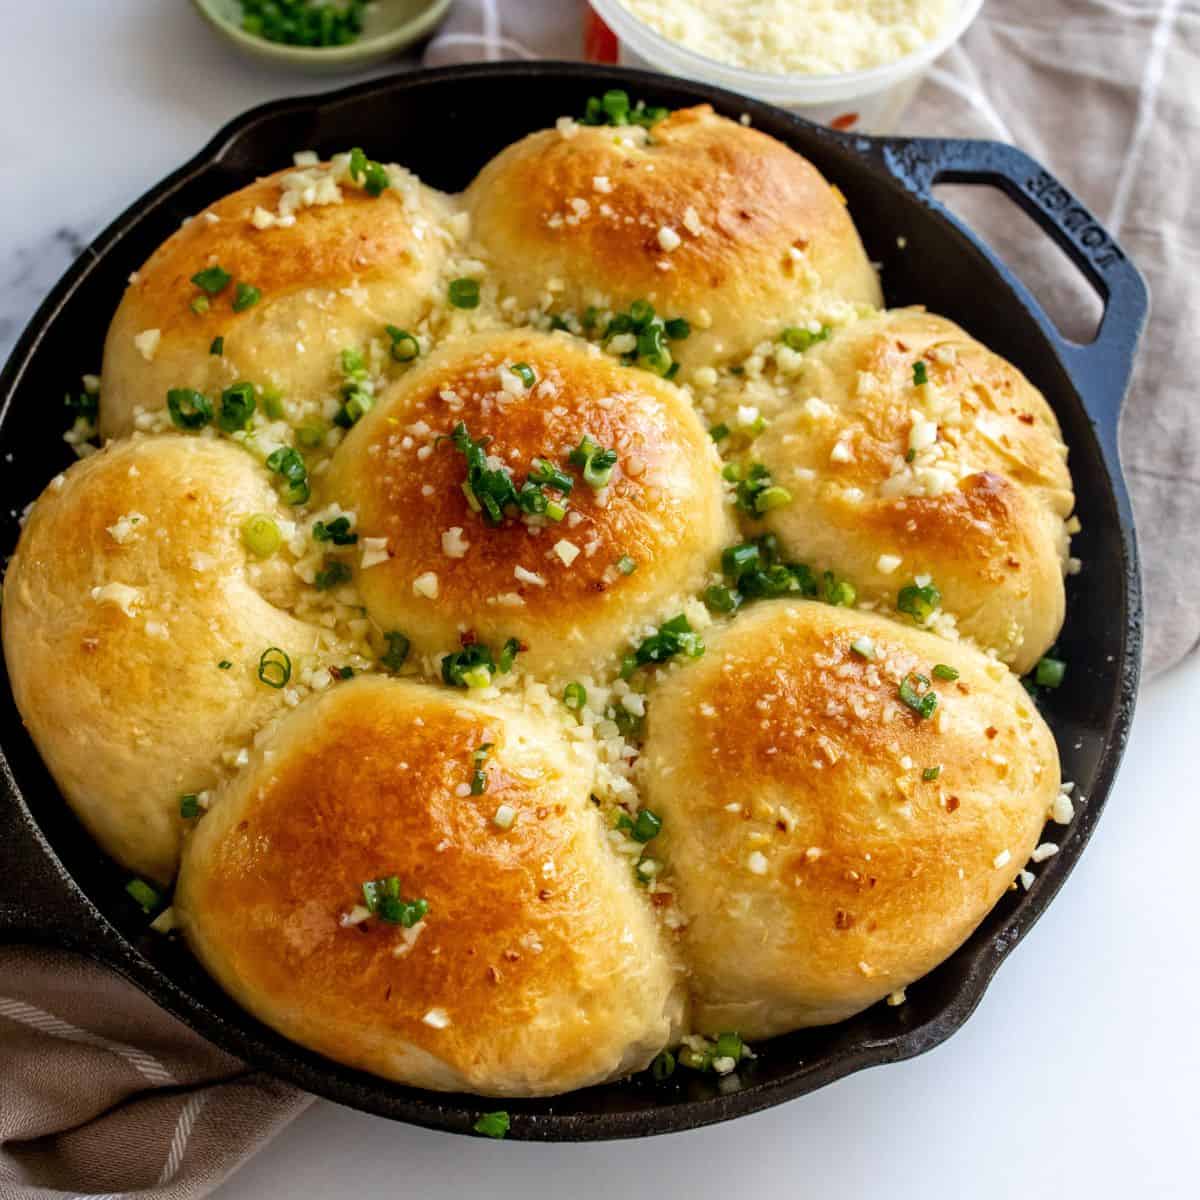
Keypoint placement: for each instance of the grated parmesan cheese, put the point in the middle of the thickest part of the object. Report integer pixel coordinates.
(797, 37)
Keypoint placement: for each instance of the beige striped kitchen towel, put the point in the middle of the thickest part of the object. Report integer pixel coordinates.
(103, 1094)
(1107, 94)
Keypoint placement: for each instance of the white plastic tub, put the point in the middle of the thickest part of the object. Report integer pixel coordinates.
(868, 101)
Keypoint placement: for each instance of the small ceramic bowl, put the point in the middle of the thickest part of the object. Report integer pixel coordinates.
(391, 26)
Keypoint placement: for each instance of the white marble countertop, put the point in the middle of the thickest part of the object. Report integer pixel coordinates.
(1078, 1074)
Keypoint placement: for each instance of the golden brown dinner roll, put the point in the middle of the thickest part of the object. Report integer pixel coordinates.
(962, 478)
(129, 588)
(569, 590)
(533, 965)
(334, 266)
(828, 843)
(707, 219)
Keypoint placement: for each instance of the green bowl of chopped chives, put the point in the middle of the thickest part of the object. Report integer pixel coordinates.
(322, 35)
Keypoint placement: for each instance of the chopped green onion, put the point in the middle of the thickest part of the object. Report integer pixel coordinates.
(477, 677)
(931, 773)
(941, 671)
(397, 651)
(613, 108)
(652, 352)
(575, 696)
(493, 1124)
(524, 372)
(910, 455)
(728, 1045)
(647, 869)
(755, 571)
(143, 894)
(532, 499)
(189, 806)
(719, 432)
(336, 531)
(696, 1060)
(357, 395)
(771, 497)
(1049, 672)
(383, 900)
(217, 346)
(864, 647)
(272, 402)
(920, 374)
(626, 565)
(212, 280)
(200, 305)
(245, 296)
(508, 656)
(545, 474)
(673, 637)
(224, 665)
(797, 338)
(478, 774)
(86, 404)
(464, 293)
(261, 535)
(405, 347)
(489, 490)
(916, 692)
(597, 464)
(646, 826)
(756, 493)
(237, 407)
(919, 602)
(287, 462)
(663, 1066)
(374, 176)
(274, 668)
(304, 22)
(720, 599)
(555, 511)
(357, 402)
(334, 572)
(189, 408)
(839, 592)
(472, 666)
(310, 436)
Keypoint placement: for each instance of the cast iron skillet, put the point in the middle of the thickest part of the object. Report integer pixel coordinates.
(57, 887)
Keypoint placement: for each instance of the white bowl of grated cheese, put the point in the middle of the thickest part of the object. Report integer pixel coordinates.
(849, 64)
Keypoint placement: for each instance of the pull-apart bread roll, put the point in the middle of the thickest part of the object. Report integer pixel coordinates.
(829, 842)
(911, 451)
(329, 265)
(705, 218)
(502, 951)
(129, 587)
(640, 509)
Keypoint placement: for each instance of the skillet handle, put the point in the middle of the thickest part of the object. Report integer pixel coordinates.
(1100, 370)
(39, 901)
